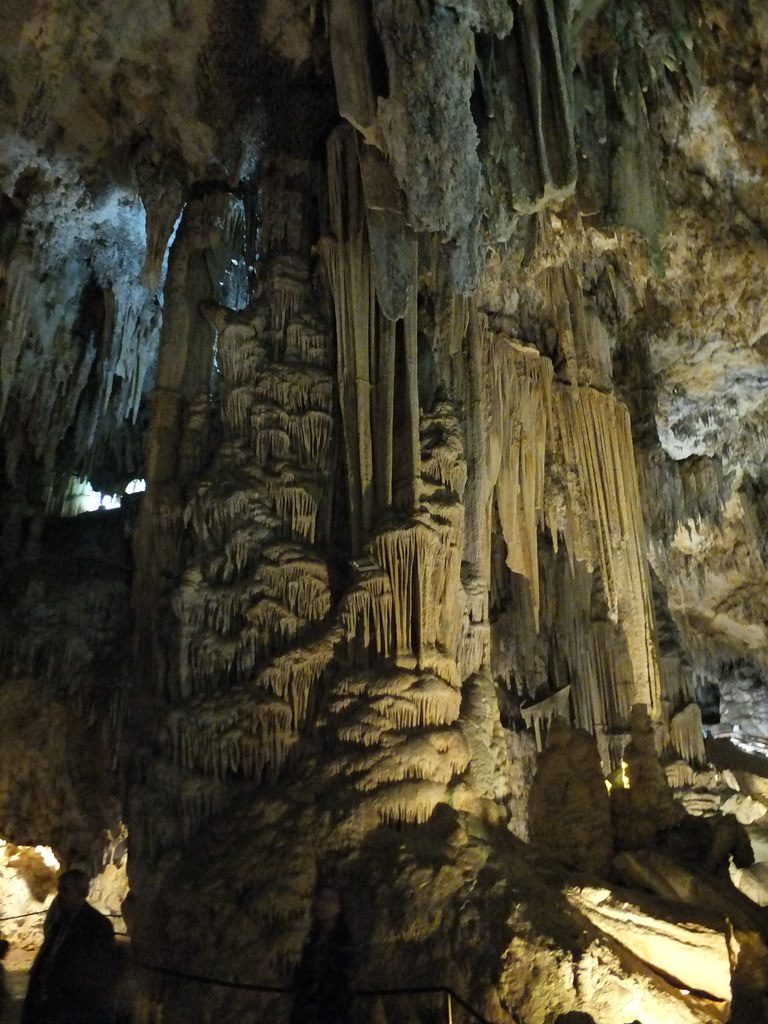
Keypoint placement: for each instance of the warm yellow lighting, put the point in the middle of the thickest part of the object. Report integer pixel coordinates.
(618, 779)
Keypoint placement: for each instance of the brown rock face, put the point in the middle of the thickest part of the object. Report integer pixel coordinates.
(646, 807)
(569, 812)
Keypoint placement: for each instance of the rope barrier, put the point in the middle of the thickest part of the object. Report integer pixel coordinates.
(363, 993)
(201, 979)
(37, 913)
(170, 972)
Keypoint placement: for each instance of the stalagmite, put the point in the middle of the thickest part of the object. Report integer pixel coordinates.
(568, 810)
(646, 807)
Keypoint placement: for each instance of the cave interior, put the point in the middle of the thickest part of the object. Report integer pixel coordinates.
(384, 504)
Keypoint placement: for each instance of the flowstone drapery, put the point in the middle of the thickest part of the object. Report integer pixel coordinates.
(339, 651)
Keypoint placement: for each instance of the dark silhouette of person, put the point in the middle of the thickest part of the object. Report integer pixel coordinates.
(5, 998)
(72, 978)
(322, 994)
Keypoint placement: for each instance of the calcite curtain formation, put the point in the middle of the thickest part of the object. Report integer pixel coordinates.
(438, 427)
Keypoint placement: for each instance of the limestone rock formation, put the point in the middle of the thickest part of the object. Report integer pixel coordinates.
(568, 808)
(695, 954)
(415, 355)
(646, 807)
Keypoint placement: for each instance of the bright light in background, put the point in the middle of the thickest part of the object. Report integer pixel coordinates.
(81, 497)
(168, 247)
(48, 857)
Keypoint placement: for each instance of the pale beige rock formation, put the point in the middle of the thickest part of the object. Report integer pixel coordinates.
(695, 954)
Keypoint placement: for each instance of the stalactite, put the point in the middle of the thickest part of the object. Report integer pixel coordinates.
(368, 612)
(374, 280)
(520, 417)
(478, 491)
(539, 715)
(311, 434)
(400, 747)
(232, 733)
(201, 796)
(349, 271)
(162, 200)
(431, 755)
(568, 311)
(603, 686)
(213, 513)
(687, 735)
(677, 681)
(296, 506)
(21, 300)
(593, 434)
(527, 86)
(350, 29)
(295, 389)
(292, 294)
(395, 552)
(293, 675)
(301, 584)
(241, 354)
(412, 454)
(54, 389)
(423, 570)
(177, 445)
(442, 450)
(408, 801)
